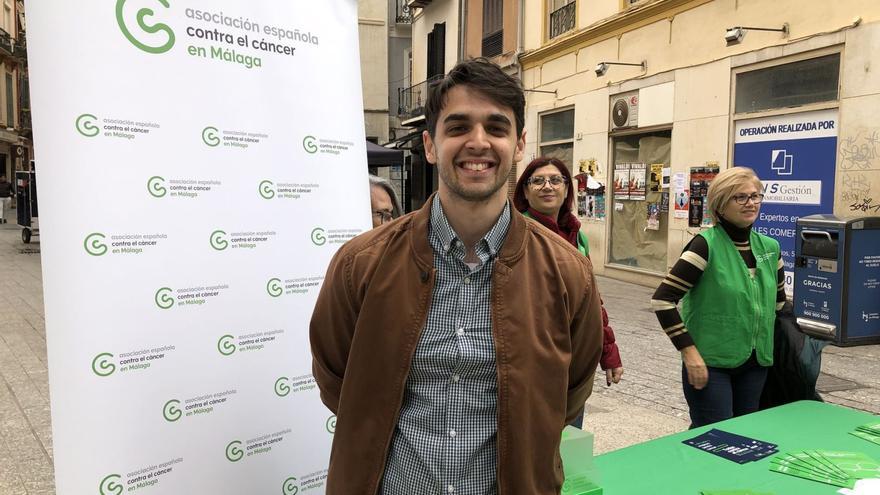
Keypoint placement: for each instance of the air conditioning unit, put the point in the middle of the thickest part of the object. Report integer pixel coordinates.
(625, 110)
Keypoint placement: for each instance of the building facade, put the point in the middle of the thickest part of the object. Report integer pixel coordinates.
(791, 94)
(373, 33)
(436, 47)
(15, 122)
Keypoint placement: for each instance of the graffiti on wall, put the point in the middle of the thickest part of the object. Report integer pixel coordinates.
(860, 171)
(859, 152)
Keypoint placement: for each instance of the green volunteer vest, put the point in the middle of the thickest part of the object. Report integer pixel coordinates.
(583, 244)
(729, 313)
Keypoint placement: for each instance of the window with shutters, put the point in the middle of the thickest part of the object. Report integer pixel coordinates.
(493, 32)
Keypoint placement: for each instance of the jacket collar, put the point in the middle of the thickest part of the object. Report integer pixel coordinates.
(511, 250)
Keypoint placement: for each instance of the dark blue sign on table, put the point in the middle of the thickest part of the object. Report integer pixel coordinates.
(795, 157)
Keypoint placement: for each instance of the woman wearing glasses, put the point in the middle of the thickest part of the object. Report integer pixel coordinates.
(729, 280)
(383, 201)
(544, 193)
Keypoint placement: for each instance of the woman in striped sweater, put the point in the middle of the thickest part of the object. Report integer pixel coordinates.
(729, 280)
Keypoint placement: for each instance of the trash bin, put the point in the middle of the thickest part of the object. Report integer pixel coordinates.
(837, 279)
(26, 196)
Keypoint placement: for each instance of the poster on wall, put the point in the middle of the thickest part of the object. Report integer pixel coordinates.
(795, 157)
(681, 197)
(598, 205)
(621, 181)
(653, 217)
(594, 198)
(701, 177)
(195, 146)
(656, 177)
(637, 181)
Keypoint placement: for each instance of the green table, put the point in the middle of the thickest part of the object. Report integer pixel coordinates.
(667, 466)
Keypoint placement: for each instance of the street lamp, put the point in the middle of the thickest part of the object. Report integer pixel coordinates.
(734, 35)
(602, 67)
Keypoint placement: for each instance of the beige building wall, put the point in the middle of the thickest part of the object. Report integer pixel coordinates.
(373, 34)
(688, 83)
(438, 11)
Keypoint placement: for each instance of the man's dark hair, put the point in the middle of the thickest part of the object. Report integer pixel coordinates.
(481, 75)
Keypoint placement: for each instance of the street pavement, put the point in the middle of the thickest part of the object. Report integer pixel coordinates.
(646, 404)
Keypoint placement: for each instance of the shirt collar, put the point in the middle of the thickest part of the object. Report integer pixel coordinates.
(494, 239)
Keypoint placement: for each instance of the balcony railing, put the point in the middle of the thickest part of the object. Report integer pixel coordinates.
(20, 49)
(6, 43)
(411, 100)
(24, 119)
(404, 12)
(562, 19)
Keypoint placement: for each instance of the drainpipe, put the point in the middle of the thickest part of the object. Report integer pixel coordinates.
(462, 27)
(519, 36)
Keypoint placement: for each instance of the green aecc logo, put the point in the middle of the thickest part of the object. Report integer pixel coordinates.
(266, 190)
(102, 366)
(110, 485)
(156, 186)
(85, 125)
(170, 411)
(140, 17)
(331, 425)
(218, 241)
(93, 244)
(233, 451)
(273, 287)
(309, 144)
(210, 137)
(289, 487)
(163, 298)
(281, 387)
(318, 238)
(225, 345)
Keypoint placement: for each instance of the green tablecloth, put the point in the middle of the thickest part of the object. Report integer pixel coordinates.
(667, 466)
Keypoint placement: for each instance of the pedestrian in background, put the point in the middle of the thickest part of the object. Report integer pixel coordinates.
(545, 193)
(5, 197)
(384, 204)
(730, 282)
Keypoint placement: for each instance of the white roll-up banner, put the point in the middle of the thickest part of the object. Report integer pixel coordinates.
(198, 164)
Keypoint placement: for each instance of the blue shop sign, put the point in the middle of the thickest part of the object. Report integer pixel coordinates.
(795, 157)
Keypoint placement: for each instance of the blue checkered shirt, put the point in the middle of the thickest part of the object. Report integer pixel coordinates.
(445, 439)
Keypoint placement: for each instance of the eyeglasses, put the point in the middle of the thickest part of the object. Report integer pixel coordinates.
(554, 180)
(742, 199)
(383, 215)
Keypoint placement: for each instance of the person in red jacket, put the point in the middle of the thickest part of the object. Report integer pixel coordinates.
(544, 193)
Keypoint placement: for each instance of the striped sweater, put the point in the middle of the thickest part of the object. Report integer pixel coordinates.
(686, 273)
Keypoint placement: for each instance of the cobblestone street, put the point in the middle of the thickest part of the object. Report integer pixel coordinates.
(648, 403)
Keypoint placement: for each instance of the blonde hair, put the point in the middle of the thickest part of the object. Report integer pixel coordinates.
(725, 185)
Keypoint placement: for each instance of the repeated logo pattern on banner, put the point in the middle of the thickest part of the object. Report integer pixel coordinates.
(198, 171)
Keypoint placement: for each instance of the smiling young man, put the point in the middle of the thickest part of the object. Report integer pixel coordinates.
(456, 342)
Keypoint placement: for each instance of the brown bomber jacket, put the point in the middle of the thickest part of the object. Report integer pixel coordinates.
(547, 327)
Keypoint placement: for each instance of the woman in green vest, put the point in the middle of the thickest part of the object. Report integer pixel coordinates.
(544, 193)
(729, 280)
